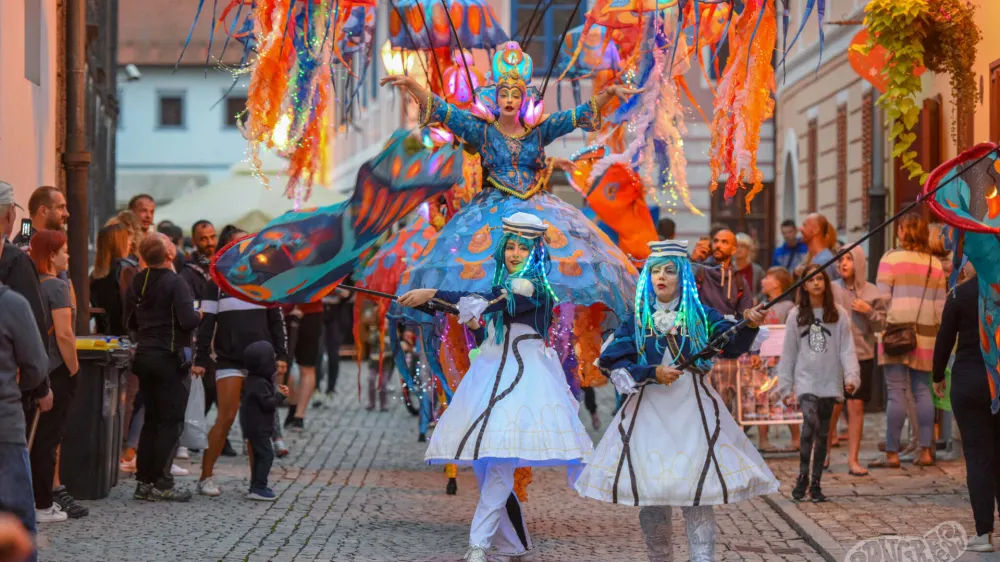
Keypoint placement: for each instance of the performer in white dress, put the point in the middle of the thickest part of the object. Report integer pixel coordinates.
(513, 408)
(673, 442)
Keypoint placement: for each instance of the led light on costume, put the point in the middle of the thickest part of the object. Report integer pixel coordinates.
(530, 231)
(690, 321)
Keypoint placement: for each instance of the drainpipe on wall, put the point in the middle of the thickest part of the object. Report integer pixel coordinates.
(877, 193)
(76, 158)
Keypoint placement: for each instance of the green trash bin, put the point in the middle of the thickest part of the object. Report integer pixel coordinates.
(92, 440)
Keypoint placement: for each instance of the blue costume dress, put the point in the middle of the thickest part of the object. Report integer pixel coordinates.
(685, 448)
(587, 268)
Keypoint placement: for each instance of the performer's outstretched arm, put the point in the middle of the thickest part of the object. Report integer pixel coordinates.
(586, 116)
(434, 109)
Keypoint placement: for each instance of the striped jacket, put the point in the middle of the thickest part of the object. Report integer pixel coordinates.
(229, 325)
(902, 275)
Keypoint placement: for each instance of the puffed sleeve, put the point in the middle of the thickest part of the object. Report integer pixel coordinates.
(474, 305)
(584, 116)
(464, 124)
(620, 356)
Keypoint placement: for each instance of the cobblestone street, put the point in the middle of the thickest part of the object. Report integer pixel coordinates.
(355, 489)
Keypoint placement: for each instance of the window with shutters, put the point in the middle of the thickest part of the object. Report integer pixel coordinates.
(842, 167)
(812, 154)
(928, 147)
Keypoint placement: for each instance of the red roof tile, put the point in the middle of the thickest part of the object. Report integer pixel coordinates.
(152, 32)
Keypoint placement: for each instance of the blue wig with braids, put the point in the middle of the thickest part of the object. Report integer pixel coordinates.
(692, 322)
(534, 269)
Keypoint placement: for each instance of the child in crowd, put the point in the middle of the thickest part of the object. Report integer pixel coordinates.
(819, 362)
(866, 307)
(261, 398)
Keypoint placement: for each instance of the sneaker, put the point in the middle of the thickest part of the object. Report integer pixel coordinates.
(68, 503)
(143, 491)
(228, 450)
(261, 494)
(178, 471)
(171, 495)
(982, 543)
(208, 488)
(297, 424)
(799, 491)
(280, 449)
(51, 515)
(127, 466)
(422, 438)
(816, 493)
(475, 554)
(595, 421)
(182, 454)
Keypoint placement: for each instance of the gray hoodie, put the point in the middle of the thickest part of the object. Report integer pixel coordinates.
(818, 359)
(865, 325)
(21, 350)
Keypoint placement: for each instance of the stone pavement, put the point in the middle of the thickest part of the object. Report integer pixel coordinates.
(355, 489)
(909, 501)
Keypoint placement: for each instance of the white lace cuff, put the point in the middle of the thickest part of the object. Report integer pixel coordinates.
(522, 287)
(471, 308)
(759, 340)
(623, 381)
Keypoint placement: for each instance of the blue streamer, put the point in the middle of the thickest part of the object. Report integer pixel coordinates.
(211, 36)
(187, 41)
(756, 26)
(805, 17)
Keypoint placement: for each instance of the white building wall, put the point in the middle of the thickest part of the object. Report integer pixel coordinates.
(168, 162)
(28, 95)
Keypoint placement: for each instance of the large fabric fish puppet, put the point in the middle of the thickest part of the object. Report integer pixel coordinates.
(968, 199)
(303, 255)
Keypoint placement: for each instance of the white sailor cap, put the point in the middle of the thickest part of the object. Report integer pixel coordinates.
(525, 225)
(668, 248)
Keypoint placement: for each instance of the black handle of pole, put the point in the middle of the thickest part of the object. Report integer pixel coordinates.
(431, 307)
(719, 341)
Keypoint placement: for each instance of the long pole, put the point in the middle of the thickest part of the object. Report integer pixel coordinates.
(76, 158)
(717, 343)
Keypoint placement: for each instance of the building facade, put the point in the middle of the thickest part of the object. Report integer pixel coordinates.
(826, 140)
(33, 110)
(32, 91)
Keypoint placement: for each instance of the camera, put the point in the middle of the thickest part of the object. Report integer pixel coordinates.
(132, 73)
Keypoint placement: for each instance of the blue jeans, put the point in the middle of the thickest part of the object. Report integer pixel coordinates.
(15, 487)
(896, 379)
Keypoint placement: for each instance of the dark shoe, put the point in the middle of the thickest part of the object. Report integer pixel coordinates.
(228, 451)
(452, 487)
(422, 438)
(298, 424)
(290, 416)
(799, 491)
(816, 493)
(171, 495)
(143, 491)
(261, 494)
(68, 503)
